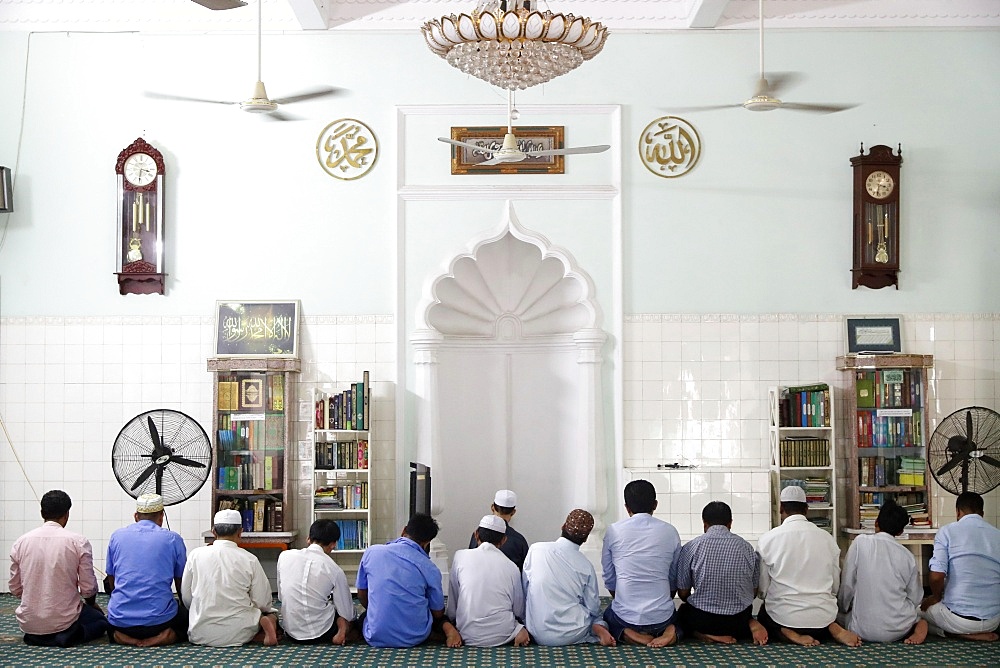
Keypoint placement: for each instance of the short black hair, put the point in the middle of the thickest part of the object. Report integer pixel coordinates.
(716, 513)
(226, 530)
(55, 503)
(490, 536)
(794, 507)
(422, 528)
(969, 502)
(892, 518)
(640, 496)
(324, 532)
(503, 510)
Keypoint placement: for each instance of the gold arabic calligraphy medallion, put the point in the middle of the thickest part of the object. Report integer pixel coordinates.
(347, 149)
(669, 147)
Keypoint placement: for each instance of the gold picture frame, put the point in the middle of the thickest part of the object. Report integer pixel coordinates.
(538, 137)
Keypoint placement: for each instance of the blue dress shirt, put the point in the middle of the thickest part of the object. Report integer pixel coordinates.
(144, 559)
(968, 553)
(639, 559)
(403, 587)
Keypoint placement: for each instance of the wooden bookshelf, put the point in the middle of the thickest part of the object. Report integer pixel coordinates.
(886, 408)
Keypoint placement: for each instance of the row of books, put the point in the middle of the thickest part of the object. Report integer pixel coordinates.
(252, 471)
(805, 406)
(889, 388)
(251, 392)
(882, 471)
(342, 455)
(914, 503)
(353, 535)
(890, 431)
(251, 431)
(258, 514)
(342, 497)
(817, 489)
(348, 410)
(804, 451)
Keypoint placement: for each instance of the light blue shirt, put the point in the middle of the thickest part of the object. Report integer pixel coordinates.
(968, 553)
(639, 559)
(561, 595)
(144, 559)
(403, 587)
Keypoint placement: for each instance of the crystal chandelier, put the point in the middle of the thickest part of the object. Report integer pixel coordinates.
(515, 48)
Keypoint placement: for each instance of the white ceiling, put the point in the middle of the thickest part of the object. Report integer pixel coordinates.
(168, 16)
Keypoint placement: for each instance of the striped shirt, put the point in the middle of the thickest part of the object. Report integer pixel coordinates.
(721, 568)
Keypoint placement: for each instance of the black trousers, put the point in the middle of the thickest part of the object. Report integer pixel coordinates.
(693, 620)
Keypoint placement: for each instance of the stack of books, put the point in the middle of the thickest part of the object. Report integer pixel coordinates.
(817, 491)
(869, 513)
(911, 471)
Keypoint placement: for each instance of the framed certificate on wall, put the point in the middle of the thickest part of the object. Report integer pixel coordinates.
(257, 329)
(873, 336)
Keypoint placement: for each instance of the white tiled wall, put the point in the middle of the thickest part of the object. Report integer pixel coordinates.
(68, 385)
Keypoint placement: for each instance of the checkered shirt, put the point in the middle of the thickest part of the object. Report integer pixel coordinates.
(722, 569)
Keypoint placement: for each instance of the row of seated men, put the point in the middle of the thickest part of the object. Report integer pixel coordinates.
(504, 591)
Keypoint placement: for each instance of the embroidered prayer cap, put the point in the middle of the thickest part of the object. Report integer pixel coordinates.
(494, 523)
(229, 516)
(505, 498)
(149, 503)
(793, 493)
(579, 523)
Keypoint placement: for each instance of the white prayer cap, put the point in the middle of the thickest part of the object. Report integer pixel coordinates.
(505, 499)
(793, 493)
(228, 517)
(149, 503)
(493, 522)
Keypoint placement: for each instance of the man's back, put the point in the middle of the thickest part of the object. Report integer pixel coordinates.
(403, 587)
(638, 558)
(561, 595)
(968, 553)
(51, 568)
(799, 573)
(485, 596)
(515, 547)
(313, 589)
(225, 590)
(723, 570)
(881, 587)
(144, 560)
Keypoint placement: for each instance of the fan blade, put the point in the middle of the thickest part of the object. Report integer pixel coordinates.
(321, 91)
(463, 144)
(986, 459)
(183, 98)
(184, 461)
(817, 108)
(278, 115)
(968, 428)
(144, 476)
(953, 462)
(158, 449)
(710, 107)
(570, 151)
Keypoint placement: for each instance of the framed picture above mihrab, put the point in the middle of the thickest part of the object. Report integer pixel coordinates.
(466, 160)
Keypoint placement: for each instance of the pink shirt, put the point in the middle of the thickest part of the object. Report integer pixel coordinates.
(50, 570)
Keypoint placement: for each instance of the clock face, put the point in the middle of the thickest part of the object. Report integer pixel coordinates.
(879, 184)
(140, 169)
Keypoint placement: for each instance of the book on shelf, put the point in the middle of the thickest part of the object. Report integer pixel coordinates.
(251, 393)
(804, 451)
(804, 406)
(346, 410)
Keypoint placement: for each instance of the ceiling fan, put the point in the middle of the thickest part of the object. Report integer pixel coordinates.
(259, 102)
(509, 150)
(766, 91)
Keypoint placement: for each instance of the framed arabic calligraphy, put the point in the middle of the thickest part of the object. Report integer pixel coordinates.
(256, 329)
(669, 147)
(529, 137)
(347, 149)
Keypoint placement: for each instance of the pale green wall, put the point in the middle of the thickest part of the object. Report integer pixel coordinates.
(761, 225)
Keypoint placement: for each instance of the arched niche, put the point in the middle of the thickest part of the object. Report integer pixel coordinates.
(508, 353)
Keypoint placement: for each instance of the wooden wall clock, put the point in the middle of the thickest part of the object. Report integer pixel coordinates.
(876, 217)
(139, 173)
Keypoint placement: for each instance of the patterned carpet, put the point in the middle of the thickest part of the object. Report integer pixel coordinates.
(935, 652)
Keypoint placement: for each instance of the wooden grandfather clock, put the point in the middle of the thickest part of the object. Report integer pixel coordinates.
(139, 173)
(876, 217)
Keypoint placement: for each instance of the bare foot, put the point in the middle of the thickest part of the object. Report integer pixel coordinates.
(665, 639)
(123, 639)
(164, 637)
(843, 636)
(269, 625)
(452, 638)
(607, 640)
(522, 639)
(798, 638)
(759, 632)
(919, 634)
(980, 637)
(726, 640)
(633, 637)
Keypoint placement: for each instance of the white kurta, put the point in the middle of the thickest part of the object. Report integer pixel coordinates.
(561, 594)
(313, 590)
(485, 596)
(880, 590)
(225, 590)
(799, 574)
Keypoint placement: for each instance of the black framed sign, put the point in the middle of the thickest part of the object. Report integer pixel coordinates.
(873, 336)
(256, 329)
